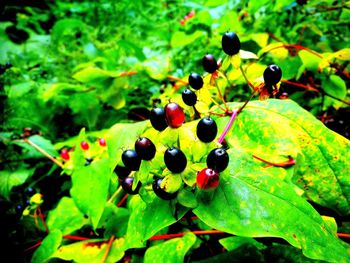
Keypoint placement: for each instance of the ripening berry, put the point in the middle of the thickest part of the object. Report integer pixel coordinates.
(65, 154)
(174, 114)
(145, 148)
(209, 63)
(84, 145)
(208, 179)
(102, 142)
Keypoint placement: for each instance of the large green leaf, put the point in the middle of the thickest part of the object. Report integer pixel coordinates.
(65, 217)
(10, 179)
(89, 190)
(48, 247)
(146, 219)
(286, 129)
(171, 251)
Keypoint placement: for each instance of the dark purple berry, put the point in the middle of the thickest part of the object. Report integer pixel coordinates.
(160, 192)
(88, 161)
(189, 97)
(218, 159)
(207, 129)
(209, 63)
(8, 65)
(145, 148)
(175, 160)
(30, 191)
(230, 43)
(19, 209)
(158, 120)
(272, 75)
(121, 171)
(127, 183)
(195, 81)
(131, 160)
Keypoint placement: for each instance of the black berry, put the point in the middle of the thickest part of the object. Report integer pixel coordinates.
(207, 129)
(158, 120)
(195, 81)
(230, 43)
(209, 63)
(160, 192)
(88, 161)
(174, 114)
(121, 171)
(19, 209)
(131, 160)
(189, 97)
(30, 191)
(272, 75)
(8, 65)
(175, 160)
(127, 183)
(145, 148)
(218, 159)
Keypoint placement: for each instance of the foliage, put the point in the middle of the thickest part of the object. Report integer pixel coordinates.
(91, 71)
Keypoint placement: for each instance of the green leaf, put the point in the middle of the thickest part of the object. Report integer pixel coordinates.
(114, 220)
(66, 217)
(92, 75)
(10, 179)
(247, 54)
(48, 247)
(284, 253)
(146, 219)
(89, 190)
(92, 251)
(310, 60)
(44, 144)
(287, 129)
(171, 251)
(336, 87)
(180, 38)
(232, 243)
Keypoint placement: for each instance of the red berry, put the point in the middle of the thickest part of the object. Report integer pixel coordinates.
(207, 179)
(65, 154)
(102, 142)
(174, 114)
(182, 22)
(84, 145)
(191, 14)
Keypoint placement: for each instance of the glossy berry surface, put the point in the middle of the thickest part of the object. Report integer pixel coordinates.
(19, 209)
(175, 160)
(272, 75)
(207, 129)
(208, 179)
(84, 145)
(209, 63)
(127, 183)
(30, 191)
(65, 154)
(174, 114)
(88, 161)
(195, 81)
(102, 142)
(158, 120)
(230, 43)
(121, 171)
(218, 159)
(160, 192)
(131, 160)
(145, 148)
(189, 97)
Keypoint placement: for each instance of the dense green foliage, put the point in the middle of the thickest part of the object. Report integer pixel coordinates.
(77, 83)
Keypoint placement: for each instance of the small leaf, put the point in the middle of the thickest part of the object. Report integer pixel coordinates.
(172, 250)
(114, 220)
(335, 86)
(180, 38)
(10, 179)
(232, 243)
(247, 55)
(48, 247)
(343, 54)
(66, 217)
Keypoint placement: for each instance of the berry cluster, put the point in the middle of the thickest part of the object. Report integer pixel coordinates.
(172, 116)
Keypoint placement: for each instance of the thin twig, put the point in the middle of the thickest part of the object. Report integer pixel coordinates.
(196, 232)
(116, 193)
(108, 249)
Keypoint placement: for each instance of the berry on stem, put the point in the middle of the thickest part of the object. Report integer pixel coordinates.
(65, 154)
(158, 120)
(145, 148)
(207, 179)
(230, 43)
(207, 129)
(174, 114)
(131, 160)
(160, 192)
(272, 75)
(195, 81)
(175, 160)
(84, 145)
(189, 97)
(127, 183)
(209, 63)
(102, 142)
(121, 171)
(30, 191)
(218, 159)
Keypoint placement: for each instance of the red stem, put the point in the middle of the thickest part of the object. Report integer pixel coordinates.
(196, 232)
(228, 126)
(288, 163)
(43, 220)
(128, 73)
(121, 202)
(77, 238)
